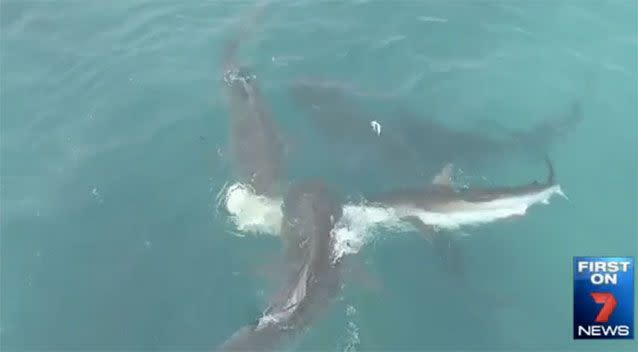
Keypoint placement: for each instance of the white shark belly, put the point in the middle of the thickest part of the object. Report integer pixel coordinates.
(455, 215)
(456, 219)
(282, 313)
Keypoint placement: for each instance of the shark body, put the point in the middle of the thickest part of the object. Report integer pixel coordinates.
(255, 141)
(441, 206)
(411, 146)
(310, 212)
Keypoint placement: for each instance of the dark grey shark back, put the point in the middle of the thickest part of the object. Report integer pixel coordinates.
(309, 205)
(256, 146)
(249, 339)
(310, 210)
(420, 144)
(545, 133)
(425, 197)
(486, 194)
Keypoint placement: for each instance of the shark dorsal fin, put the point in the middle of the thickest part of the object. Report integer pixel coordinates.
(444, 177)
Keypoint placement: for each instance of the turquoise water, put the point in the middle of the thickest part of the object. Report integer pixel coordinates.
(113, 149)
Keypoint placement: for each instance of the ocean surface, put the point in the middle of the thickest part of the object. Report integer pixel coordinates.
(114, 134)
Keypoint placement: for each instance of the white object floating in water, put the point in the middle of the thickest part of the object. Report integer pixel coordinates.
(96, 194)
(376, 127)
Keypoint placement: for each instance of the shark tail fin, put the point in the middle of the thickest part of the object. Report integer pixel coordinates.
(444, 177)
(550, 167)
(246, 25)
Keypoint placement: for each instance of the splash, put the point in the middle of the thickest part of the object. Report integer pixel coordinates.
(252, 213)
(352, 331)
(360, 224)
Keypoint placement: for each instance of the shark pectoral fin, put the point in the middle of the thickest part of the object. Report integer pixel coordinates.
(460, 235)
(272, 270)
(492, 299)
(427, 231)
(290, 144)
(356, 271)
(449, 250)
(444, 177)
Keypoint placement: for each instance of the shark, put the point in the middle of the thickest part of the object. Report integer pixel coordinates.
(256, 144)
(410, 146)
(310, 212)
(441, 206)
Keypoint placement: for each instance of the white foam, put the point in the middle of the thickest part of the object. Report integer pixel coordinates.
(431, 19)
(352, 338)
(252, 213)
(267, 320)
(360, 224)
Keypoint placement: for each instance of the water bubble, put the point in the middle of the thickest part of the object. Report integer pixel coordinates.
(96, 194)
(351, 310)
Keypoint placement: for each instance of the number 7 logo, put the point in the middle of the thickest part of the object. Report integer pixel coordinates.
(609, 305)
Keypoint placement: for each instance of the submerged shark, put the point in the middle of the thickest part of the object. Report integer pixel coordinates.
(310, 211)
(440, 206)
(409, 146)
(255, 142)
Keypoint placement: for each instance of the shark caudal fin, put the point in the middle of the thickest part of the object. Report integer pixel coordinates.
(444, 177)
(550, 167)
(245, 26)
(551, 178)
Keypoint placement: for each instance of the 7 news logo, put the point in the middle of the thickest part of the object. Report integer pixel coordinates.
(603, 297)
